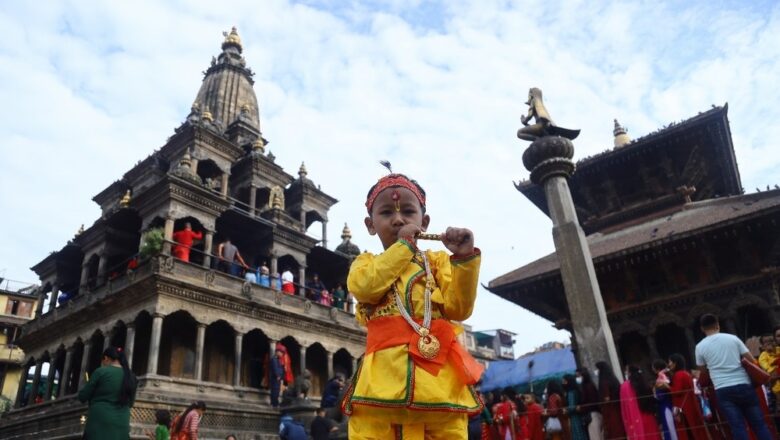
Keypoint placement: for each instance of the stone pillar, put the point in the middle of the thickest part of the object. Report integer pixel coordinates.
(130, 343)
(50, 381)
(22, 384)
(41, 300)
(208, 244)
(303, 219)
(168, 235)
(84, 277)
(200, 340)
(303, 359)
(237, 369)
(63, 390)
(102, 263)
(154, 344)
(355, 365)
(271, 348)
(84, 361)
(224, 189)
(302, 280)
(330, 364)
(106, 340)
(55, 293)
(325, 233)
(252, 200)
(274, 271)
(35, 383)
(652, 347)
(549, 160)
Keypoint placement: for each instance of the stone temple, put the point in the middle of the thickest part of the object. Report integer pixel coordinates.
(190, 331)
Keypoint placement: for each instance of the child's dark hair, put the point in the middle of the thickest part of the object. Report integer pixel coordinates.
(193, 406)
(419, 187)
(129, 382)
(163, 417)
(659, 365)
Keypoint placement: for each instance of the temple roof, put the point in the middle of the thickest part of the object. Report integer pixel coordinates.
(226, 92)
(689, 219)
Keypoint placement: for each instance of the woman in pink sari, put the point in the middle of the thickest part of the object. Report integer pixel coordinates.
(638, 407)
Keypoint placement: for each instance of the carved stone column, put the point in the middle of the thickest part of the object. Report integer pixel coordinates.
(130, 343)
(355, 364)
(102, 263)
(55, 293)
(224, 189)
(200, 340)
(41, 300)
(84, 363)
(303, 219)
(271, 349)
(64, 379)
(22, 384)
(237, 369)
(49, 381)
(35, 383)
(168, 235)
(252, 200)
(303, 359)
(325, 233)
(154, 344)
(208, 244)
(302, 280)
(84, 277)
(330, 364)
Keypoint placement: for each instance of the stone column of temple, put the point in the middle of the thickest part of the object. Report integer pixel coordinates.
(303, 219)
(49, 389)
(252, 200)
(224, 184)
(330, 364)
(651, 345)
(303, 359)
(154, 344)
(274, 270)
(106, 340)
(66, 372)
(208, 244)
(549, 160)
(55, 293)
(200, 340)
(102, 263)
(130, 343)
(22, 384)
(35, 383)
(354, 364)
(41, 300)
(302, 280)
(168, 235)
(325, 233)
(237, 369)
(271, 349)
(84, 277)
(84, 362)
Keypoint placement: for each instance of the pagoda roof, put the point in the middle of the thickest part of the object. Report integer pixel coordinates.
(686, 220)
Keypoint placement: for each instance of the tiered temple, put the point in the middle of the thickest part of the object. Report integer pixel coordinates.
(672, 237)
(190, 332)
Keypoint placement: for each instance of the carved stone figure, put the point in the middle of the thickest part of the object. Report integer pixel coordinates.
(544, 125)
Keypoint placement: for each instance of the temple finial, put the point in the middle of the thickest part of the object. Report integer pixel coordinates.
(621, 138)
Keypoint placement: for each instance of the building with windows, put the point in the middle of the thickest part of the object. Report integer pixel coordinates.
(191, 324)
(16, 309)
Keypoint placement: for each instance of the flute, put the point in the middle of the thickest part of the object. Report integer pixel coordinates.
(436, 237)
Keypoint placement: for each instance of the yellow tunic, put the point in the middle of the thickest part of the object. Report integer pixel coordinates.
(768, 361)
(388, 385)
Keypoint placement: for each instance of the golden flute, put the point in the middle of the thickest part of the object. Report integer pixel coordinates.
(437, 237)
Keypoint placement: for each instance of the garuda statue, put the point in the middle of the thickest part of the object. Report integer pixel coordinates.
(544, 125)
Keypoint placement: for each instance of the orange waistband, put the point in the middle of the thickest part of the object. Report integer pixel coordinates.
(391, 331)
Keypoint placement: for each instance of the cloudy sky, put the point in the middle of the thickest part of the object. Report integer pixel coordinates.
(90, 88)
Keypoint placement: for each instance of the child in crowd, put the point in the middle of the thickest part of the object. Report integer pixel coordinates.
(163, 425)
(769, 360)
(415, 380)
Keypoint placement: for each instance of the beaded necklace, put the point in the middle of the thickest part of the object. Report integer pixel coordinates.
(428, 344)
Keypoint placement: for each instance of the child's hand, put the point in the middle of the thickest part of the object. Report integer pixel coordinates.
(460, 241)
(409, 231)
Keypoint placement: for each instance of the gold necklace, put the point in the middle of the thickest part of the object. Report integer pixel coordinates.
(428, 344)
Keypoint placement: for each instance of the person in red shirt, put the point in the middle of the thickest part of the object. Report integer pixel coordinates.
(506, 418)
(688, 416)
(534, 411)
(184, 239)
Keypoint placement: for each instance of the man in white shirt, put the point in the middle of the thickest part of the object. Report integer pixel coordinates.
(721, 354)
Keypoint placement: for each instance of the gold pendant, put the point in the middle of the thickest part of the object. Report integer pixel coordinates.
(428, 345)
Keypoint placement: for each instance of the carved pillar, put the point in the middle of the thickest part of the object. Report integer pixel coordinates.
(208, 243)
(199, 342)
(154, 344)
(224, 189)
(102, 263)
(302, 280)
(252, 200)
(55, 293)
(325, 233)
(41, 300)
(35, 383)
(84, 362)
(130, 343)
(303, 219)
(84, 276)
(274, 270)
(651, 345)
(271, 348)
(303, 359)
(50, 380)
(330, 364)
(237, 369)
(168, 235)
(64, 379)
(106, 340)
(22, 384)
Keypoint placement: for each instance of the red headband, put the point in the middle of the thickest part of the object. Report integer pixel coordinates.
(390, 181)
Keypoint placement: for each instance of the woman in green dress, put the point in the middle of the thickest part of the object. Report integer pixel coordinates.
(110, 393)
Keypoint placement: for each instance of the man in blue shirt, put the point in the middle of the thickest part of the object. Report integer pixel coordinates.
(721, 354)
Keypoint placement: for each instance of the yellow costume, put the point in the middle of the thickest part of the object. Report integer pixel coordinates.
(395, 393)
(768, 362)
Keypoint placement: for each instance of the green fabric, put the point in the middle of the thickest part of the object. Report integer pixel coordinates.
(106, 420)
(161, 433)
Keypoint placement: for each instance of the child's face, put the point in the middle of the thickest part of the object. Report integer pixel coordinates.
(768, 343)
(388, 216)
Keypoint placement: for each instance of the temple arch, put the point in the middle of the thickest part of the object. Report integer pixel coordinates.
(219, 353)
(177, 345)
(317, 365)
(143, 334)
(342, 363)
(254, 359)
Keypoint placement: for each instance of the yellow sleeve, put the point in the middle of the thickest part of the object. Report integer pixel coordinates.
(457, 278)
(371, 276)
(767, 362)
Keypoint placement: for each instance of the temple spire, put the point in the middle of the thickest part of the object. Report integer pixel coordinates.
(621, 136)
(232, 39)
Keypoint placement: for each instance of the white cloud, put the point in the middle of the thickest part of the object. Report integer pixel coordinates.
(437, 89)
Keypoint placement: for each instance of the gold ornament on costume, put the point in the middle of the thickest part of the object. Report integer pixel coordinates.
(428, 344)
